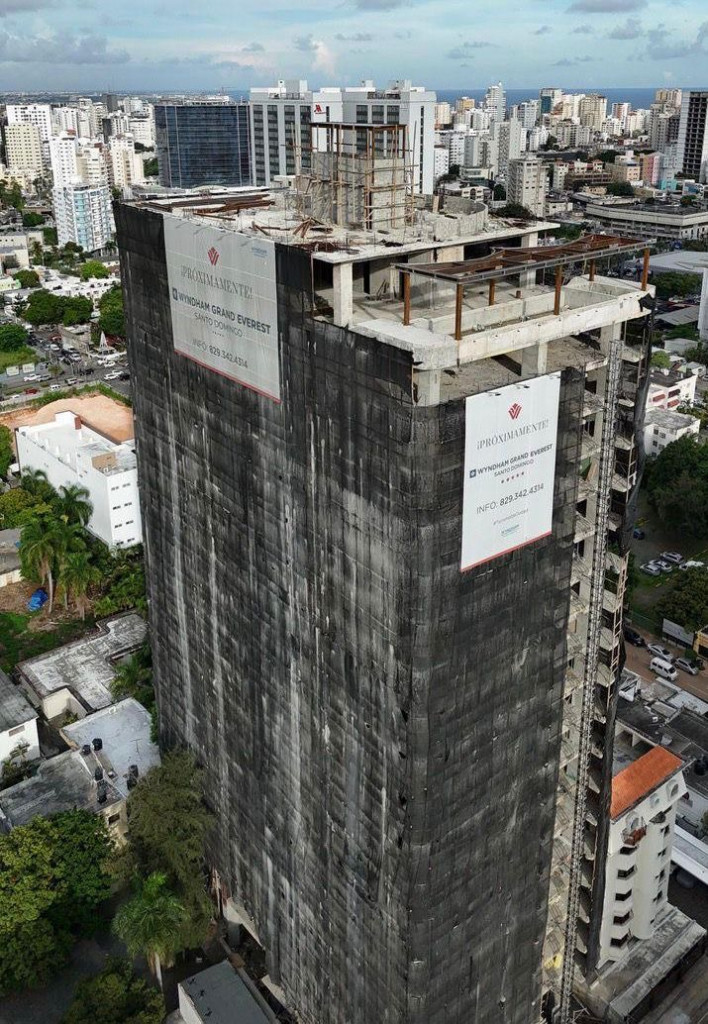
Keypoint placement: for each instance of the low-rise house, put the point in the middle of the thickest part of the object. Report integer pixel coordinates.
(669, 389)
(663, 427)
(10, 566)
(76, 678)
(110, 751)
(72, 453)
(221, 995)
(18, 722)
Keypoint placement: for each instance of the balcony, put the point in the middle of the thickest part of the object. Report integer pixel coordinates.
(578, 605)
(590, 446)
(592, 404)
(584, 529)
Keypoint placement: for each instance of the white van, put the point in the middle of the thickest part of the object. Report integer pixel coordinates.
(664, 669)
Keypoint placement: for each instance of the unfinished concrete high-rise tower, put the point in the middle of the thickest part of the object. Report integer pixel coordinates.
(385, 481)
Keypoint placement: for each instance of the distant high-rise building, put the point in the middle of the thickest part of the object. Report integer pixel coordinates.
(593, 111)
(83, 215)
(549, 99)
(669, 97)
(110, 101)
(527, 184)
(39, 114)
(281, 136)
(693, 136)
(495, 102)
(23, 149)
(511, 139)
(443, 114)
(202, 143)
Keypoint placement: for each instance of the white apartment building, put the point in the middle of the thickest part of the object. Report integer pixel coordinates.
(38, 114)
(23, 149)
(662, 427)
(281, 138)
(443, 114)
(571, 135)
(442, 161)
(511, 140)
(83, 215)
(70, 452)
(644, 798)
(495, 102)
(64, 153)
(142, 128)
(399, 103)
(668, 390)
(125, 166)
(526, 113)
(527, 184)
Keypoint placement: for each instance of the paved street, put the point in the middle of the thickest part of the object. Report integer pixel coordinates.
(638, 659)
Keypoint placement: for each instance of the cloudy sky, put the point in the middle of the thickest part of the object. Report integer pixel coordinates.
(180, 44)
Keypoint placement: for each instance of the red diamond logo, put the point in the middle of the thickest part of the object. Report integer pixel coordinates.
(515, 411)
(213, 255)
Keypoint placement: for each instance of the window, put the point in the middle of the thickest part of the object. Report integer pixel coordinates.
(113, 819)
(619, 943)
(626, 872)
(16, 731)
(620, 897)
(622, 919)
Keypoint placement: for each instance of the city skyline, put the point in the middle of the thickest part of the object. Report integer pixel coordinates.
(625, 42)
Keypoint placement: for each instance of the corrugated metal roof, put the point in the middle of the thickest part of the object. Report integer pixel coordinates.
(641, 777)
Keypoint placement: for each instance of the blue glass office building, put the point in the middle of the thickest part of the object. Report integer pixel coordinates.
(202, 144)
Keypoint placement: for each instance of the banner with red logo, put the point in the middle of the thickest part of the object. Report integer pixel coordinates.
(223, 302)
(511, 437)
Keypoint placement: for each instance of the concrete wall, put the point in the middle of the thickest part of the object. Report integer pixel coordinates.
(25, 733)
(380, 732)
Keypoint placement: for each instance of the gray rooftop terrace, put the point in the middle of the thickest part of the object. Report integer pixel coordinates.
(62, 783)
(87, 666)
(124, 729)
(220, 996)
(15, 709)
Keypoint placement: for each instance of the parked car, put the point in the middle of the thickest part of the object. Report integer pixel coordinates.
(115, 375)
(55, 387)
(633, 637)
(45, 377)
(660, 652)
(687, 666)
(31, 391)
(671, 556)
(638, 534)
(72, 380)
(31, 378)
(663, 565)
(692, 563)
(650, 569)
(125, 375)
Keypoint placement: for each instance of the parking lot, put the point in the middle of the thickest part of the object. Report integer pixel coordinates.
(639, 659)
(57, 370)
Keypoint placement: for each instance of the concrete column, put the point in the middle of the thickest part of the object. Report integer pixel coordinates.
(608, 335)
(534, 360)
(426, 384)
(451, 254)
(343, 293)
(528, 278)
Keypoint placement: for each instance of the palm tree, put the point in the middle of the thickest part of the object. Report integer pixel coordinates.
(35, 481)
(73, 505)
(38, 551)
(151, 921)
(77, 576)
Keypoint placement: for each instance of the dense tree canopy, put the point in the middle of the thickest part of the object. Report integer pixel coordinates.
(674, 283)
(7, 457)
(620, 188)
(15, 506)
(112, 319)
(115, 996)
(44, 307)
(27, 278)
(92, 268)
(12, 337)
(517, 211)
(52, 879)
(677, 484)
(660, 359)
(687, 600)
(31, 219)
(76, 310)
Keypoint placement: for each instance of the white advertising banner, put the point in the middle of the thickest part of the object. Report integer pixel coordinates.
(223, 302)
(511, 437)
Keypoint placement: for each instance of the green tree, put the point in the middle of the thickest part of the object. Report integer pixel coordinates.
(112, 319)
(168, 827)
(677, 485)
(12, 337)
(45, 543)
(686, 601)
(517, 211)
(620, 188)
(78, 575)
(50, 236)
(15, 767)
(133, 678)
(152, 921)
(674, 283)
(93, 268)
(115, 996)
(52, 879)
(35, 482)
(31, 219)
(499, 194)
(124, 586)
(608, 156)
(16, 507)
(150, 167)
(660, 359)
(7, 457)
(550, 143)
(76, 310)
(72, 504)
(27, 278)
(687, 200)
(44, 308)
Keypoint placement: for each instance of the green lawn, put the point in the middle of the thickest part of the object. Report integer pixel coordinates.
(19, 643)
(17, 357)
